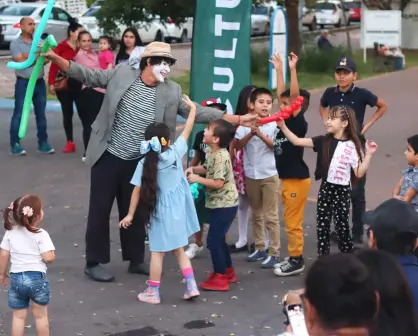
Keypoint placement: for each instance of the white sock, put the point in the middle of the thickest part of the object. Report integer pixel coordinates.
(244, 213)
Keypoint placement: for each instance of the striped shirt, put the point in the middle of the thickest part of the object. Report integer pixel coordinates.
(135, 111)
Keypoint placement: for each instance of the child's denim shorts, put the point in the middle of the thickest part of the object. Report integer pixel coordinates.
(26, 286)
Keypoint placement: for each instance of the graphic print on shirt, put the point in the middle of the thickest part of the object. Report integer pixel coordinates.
(345, 157)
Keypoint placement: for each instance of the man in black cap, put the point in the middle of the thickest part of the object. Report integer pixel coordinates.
(346, 93)
(394, 229)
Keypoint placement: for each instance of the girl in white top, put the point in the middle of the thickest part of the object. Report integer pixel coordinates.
(340, 163)
(29, 249)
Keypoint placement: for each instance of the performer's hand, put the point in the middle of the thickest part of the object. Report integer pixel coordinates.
(50, 54)
(277, 62)
(249, 120)
(127, 221)
(52, 90)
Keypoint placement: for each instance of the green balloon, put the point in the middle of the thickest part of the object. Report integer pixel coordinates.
(49, 43)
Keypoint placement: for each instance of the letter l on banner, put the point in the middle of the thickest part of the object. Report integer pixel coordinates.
(221, 54)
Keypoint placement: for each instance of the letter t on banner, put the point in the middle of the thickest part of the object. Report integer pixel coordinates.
(221, 54)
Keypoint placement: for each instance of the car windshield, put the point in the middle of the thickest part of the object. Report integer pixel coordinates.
(324, 6)
(17, 10)
(352, 4)
(92, 11)
(260, 10)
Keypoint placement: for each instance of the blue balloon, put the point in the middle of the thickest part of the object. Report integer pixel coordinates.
(36, 40)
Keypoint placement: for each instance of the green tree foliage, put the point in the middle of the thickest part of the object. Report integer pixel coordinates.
(135, 12)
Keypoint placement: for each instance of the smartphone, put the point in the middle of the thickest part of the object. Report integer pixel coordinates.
(297, 319)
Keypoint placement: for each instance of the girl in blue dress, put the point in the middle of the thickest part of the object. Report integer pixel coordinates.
(163, 196)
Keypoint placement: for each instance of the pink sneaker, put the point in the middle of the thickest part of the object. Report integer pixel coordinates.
(150, 295)
(191, 290)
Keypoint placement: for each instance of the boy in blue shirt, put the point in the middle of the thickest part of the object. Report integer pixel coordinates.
(407, 187)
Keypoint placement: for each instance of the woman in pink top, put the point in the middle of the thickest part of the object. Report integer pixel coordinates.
(90, 99)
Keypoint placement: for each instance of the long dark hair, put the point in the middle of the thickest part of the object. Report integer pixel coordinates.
(244, 95)
(122, 54)
(149, 184)
(344, 113)
(397, 316)
(73, 25)
(24, 211)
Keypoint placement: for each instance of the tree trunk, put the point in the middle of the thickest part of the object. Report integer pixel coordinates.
(347, 33)
(292, 13)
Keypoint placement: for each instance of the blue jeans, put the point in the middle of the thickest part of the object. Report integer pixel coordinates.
(26, 286)
(220, 221)
(39, 103)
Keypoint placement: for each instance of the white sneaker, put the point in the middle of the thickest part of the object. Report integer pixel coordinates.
(193, 250)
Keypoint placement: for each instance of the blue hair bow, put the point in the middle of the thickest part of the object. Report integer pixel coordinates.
(153, 144)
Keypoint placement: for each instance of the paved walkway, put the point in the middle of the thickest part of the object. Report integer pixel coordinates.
(81, 307)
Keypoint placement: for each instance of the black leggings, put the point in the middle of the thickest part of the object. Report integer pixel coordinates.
(89, 104)
(333, 203)
(67, 98)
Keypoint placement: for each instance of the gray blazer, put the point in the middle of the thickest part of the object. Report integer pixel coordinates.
(169, 104)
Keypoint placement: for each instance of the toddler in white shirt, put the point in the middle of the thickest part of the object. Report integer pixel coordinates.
(29, 249)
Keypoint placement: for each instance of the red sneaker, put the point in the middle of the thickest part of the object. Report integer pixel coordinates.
(230, 274)
(216, 282)
(69, 147)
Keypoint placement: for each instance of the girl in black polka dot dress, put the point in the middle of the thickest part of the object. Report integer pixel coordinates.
(340, 163)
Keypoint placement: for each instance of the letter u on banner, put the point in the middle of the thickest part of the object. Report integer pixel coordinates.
(221, 53)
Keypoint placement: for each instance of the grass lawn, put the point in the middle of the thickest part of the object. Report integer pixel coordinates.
(311, 81)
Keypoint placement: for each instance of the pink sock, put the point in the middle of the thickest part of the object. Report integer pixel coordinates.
(187, 273)
(155, 284)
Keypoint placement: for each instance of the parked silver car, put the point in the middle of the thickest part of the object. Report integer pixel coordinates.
(10, 16)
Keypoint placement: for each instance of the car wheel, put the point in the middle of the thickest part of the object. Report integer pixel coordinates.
(338, 25)
(159, 37)
(183, 37)
(267, 29)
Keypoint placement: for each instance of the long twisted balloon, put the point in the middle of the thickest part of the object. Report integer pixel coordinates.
(36, 40)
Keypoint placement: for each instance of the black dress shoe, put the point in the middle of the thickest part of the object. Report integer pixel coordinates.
(99, 273)
(234, 249)
(138, 268)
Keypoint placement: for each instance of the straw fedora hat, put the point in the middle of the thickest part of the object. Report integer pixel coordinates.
(158, 49)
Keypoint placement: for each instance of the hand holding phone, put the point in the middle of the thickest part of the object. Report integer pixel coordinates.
(297, 319)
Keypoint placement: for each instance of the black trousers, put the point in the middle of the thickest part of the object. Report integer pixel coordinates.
(67, 98)
(333, 203)
(89, 103)
(110, 179)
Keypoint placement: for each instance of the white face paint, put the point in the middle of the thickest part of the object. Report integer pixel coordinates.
(161, 71)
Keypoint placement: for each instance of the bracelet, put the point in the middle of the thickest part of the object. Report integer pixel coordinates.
(239, 120)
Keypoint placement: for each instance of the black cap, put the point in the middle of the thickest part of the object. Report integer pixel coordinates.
(391, 218)
(346, 63)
